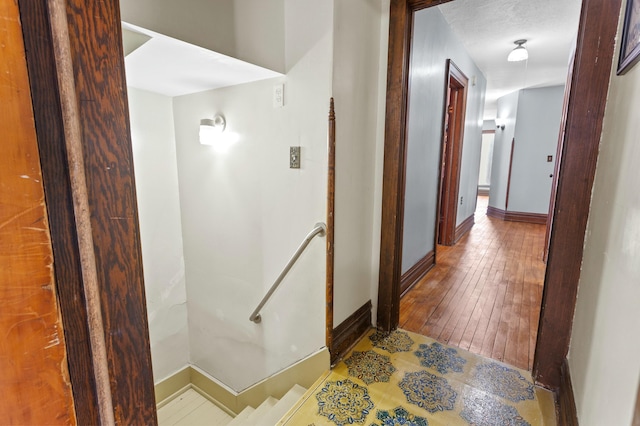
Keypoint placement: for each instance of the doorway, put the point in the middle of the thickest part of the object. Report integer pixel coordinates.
(454, 114)
(595, 40)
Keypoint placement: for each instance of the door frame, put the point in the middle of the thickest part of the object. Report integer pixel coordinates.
(451, 152)
(79, 95)
(587, 101)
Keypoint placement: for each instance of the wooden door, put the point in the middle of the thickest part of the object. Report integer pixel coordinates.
(34, 379)
(453, 131)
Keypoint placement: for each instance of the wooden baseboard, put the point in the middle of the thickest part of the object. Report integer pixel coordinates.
(464, 227)
(494, 212)
(483, 191)
(567, 413)
(349, 331)
(416, 272)
(536, 218)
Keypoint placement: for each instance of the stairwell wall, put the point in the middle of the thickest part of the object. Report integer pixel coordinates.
(154, 155)
(244, 211)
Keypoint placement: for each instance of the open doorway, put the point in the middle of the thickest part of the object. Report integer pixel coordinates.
(490, 269)
(562, 273)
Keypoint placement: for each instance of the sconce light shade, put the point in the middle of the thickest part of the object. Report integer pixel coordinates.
(519, 53)
(210, 129)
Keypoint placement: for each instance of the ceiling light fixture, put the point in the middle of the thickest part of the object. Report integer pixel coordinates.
(519, 53)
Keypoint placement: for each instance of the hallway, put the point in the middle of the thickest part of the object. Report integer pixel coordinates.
(484, 293)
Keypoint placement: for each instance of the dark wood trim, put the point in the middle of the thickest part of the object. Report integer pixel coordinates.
(567, 413)
(483, 192)
(393, 182)
(101, 90)
(350, 331)
(495, 212)
(417, 271)
(453, 118)
(57, 183)
(331, 203)
(587, 102)
(492, 132)
(423, 4)
(85, 149)
(464, 227)
(537, 218)
(506, 199)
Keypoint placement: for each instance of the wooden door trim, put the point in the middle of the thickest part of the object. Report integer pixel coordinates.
(331, 205)
(393, 174)
(96, 85)
(57, 183)
(449, 176)
(592, 68)
(506, 198)
(585, 112)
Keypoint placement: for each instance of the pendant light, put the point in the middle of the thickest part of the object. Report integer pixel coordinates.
(519, 53)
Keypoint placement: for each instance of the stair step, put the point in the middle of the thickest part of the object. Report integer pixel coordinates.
(261, 411)
(241, 418)
(282, 406)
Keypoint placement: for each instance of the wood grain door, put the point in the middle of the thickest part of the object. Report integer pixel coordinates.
(34, 378)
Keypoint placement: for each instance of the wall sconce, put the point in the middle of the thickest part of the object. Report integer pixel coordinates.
(500, 123)
(519, 53)
(211, 129)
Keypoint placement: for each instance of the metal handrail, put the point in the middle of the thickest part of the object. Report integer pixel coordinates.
(319, 229)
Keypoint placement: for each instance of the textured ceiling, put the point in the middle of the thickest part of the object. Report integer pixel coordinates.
(488, 29)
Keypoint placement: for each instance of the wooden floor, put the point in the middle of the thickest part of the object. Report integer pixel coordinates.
(484, 293)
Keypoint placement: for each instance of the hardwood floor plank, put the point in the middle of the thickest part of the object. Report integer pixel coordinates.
(484, 293)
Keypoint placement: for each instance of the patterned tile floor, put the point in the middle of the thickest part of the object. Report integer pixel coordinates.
(408, 379)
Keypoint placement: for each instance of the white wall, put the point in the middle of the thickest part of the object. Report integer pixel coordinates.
(604, 355)
(250, 30)
(154, 154)
(486, 155)
(507, 110)
(537, 129)
(356, 78)
(244, 212)
(433, 44)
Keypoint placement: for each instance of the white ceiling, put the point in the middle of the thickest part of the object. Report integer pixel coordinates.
(488, 29)
(171, 67)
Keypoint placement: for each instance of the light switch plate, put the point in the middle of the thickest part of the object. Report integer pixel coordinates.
(278, 96)
(294, 157)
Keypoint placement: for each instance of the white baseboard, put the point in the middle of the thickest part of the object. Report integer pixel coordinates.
(304, 372)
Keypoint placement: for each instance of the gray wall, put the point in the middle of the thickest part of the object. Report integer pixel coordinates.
(537, 128)
(532, 117)
(433, 44)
